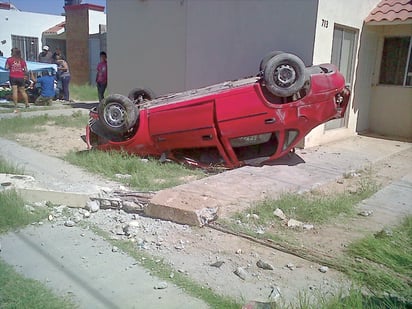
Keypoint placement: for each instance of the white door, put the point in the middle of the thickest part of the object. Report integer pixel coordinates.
(343, 53)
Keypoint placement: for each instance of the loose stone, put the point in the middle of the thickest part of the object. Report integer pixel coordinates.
(241, 273)
(161, 286)
(323, 269)
(69, 223)
(279, 213)
(264, 265)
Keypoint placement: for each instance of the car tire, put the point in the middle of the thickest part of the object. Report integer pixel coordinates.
(284, 75)
(118, 113)
(267, 58)
(139, 95)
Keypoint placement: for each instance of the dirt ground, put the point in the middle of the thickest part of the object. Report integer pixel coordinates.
(54, 141)
(192, 250)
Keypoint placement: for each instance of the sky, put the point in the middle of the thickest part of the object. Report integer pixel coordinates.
(54, 7)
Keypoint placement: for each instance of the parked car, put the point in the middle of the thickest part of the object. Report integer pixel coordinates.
(231, 123)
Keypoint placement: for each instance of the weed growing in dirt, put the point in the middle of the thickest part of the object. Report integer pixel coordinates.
(147, 175)
(13, 212)
(313, 207)
(387, 260)
(83, 92)
(76, 120)
(17, 291)
(164, 271)
(19, 124)
(353, 299)
(7, 168)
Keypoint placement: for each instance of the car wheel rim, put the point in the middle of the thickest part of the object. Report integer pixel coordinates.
(285, 75)
(114, 114)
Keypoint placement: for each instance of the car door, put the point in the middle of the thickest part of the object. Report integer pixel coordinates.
(183, 125)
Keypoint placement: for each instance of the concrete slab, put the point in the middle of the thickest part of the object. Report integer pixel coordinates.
(75, 263)
(30, 191)
(235, 190)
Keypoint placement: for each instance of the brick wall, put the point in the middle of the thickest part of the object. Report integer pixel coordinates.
(77, 42)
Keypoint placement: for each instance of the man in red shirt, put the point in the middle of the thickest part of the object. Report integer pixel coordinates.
(18, 68)
(101, 76)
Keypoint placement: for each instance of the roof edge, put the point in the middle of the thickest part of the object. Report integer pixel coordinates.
(92, 7)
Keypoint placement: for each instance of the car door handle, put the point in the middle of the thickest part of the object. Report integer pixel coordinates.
(207, 137)
(270, 120)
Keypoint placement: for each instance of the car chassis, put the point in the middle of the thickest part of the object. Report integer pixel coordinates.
(249, 121)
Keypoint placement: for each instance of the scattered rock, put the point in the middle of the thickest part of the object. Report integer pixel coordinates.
(260, 231)
(255, 216)
(161, 286)
(264, 265)
(238, 251)
(50, 217)
(123, 176)
(77, 218)
(291, 266)
(29, 208)
(294, 223)
(279, 213)
(93, 206)
(172, 275)
(131, 228)
(274, 294)
(217, 264)
(386, 232)
(69, 223)
(86, 214)
(340, 181)
(323, 269)
(308, 227)
(241, 273)
(365, 213)
(115, 249)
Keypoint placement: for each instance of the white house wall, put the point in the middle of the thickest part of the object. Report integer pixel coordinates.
(96, 18)
(146, 45)
(226, 39)
(390, 110)
(172, 45)
(13, 22)
(350, 14)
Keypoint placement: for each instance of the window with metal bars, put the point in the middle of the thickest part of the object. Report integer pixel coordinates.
(29, 46)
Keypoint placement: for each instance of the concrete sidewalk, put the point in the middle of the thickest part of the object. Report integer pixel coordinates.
(76, 263)
(227, 193)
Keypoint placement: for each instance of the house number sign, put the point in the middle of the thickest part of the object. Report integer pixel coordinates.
(325, 23)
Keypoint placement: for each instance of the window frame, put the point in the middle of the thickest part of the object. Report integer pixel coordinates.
(408, 64)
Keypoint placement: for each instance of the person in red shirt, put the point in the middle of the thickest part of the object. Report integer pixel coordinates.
(18, 68)
(101, 76)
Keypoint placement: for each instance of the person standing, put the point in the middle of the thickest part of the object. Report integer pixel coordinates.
(18, 68)
(64, 76)
(47, 91)
(46, 55)
(101, 76)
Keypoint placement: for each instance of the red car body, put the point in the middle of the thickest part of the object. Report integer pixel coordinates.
(230, 123)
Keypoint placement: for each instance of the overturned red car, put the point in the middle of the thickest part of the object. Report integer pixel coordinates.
(232, 123)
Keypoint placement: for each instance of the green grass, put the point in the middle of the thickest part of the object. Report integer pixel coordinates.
(148, 175)
(19, 292)
(388, 261)
(352, 299)
(163, 270)
(18, 125)
(13, 212)
(8, 168)
(313, 207)
(15, 290)
(83, 93)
